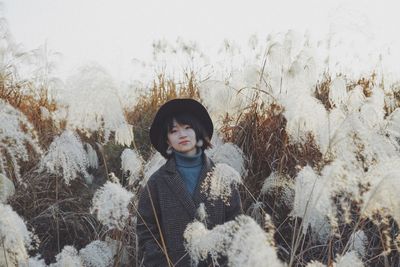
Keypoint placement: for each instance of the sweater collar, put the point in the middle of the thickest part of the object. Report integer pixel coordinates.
(183, 160)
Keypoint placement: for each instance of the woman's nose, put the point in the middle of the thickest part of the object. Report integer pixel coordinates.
(182, 134)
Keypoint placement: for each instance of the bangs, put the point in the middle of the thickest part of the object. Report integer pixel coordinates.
(183, 119)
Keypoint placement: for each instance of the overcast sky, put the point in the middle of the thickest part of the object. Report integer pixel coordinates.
(116, 31)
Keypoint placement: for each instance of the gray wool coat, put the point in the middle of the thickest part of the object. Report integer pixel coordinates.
(166, 204)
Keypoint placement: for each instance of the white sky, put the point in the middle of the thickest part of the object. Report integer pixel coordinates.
(116, 31)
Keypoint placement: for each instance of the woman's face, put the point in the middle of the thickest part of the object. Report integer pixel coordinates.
(182, 138)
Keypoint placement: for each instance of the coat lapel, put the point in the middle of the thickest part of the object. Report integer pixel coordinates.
(177, 185)
(198, 196)
(214, 209)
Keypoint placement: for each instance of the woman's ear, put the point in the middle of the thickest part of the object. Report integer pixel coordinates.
(200, 143)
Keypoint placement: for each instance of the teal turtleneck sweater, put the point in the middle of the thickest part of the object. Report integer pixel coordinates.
(189, 167)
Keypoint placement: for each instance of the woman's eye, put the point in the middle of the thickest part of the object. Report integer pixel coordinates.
(187, 127)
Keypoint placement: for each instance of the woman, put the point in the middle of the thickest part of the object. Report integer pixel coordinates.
(181, 131)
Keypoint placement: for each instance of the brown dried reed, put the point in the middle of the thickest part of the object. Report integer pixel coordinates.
(58, 214)
(142, 114)
(30, 100)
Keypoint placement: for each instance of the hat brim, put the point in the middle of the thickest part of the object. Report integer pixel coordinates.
(179, 105)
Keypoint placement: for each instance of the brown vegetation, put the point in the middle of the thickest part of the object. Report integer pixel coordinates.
(142, 114)
(31, 101)
(59, 214)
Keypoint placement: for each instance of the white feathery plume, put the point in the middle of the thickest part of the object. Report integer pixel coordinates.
(98, 254)
(384, 179)
(217, 92)
(93, 104)
(219, 182)
(124, 134)
(291, 66)
(350, 259)
(358, 242)
(92, 156)
(338, 92)
(68, 257)
(284, 62)
(393, 127)
(242, 241)
(151, 166)
(66, 157)
(131, 164)
(278, 65)
(246, 77)
(293, 43)
(391, 102)
(111, 205)
(372, 113)
(33, 262)
(312, 202)
(336, 117)
(256, 211)
(201, 213)
(274, 181)
(355, 139)
(199, 243)
(7, 188)
(45, 113)
(8, 47)
(60, 115)
(251, 246)
(280, 183)
(343, 176)
(356, 99)
(245, 80)
(16, 132)
(315, 264)
(15, 238)
(228, 153)
(216, 140)
(306, 115)
(301, 77)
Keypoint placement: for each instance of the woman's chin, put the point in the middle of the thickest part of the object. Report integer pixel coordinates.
(188, 151)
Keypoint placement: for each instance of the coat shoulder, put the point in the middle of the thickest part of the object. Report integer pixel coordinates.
(157, 175)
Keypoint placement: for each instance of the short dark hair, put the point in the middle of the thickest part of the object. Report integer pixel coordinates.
(183, 118)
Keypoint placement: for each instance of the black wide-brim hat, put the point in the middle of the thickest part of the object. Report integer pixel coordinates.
(175, 106)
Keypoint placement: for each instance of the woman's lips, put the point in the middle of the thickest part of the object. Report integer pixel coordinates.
(183, 142)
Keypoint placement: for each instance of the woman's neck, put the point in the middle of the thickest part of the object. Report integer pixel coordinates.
(184, 160)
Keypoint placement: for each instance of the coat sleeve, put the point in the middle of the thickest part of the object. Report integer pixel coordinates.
(147, 230)
(235, 205)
